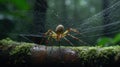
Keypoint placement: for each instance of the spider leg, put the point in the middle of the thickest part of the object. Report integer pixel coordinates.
(77, 39)
(50, 42)
(70, 30)
(48, 36)
(68, 41)
(50, 32)
(74, 30)
(43, 39)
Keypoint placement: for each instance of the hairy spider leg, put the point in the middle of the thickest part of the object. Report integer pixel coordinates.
(43, 35)
(57, 37)
(74, 30)
(68, 41)
(77, 39)
(50, 39)
(66, 34)
(50, 36)
(70, 30)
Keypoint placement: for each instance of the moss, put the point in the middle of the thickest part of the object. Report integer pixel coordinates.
(24, 48)
(17, 51)
(99, 56)
(7, 42)
(21, 53)
(87, 56)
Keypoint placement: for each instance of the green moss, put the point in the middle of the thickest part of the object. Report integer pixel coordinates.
(24, 48)
(21, 53)
(7, 42)
(17, 51)
(87, 55)
(16, 46)
(98, 55)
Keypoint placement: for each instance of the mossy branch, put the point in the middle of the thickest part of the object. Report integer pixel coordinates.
(12, 52)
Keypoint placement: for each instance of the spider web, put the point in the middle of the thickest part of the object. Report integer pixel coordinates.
(91, 27)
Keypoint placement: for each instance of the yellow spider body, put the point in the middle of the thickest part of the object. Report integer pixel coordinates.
(61, 34)
(58, 34)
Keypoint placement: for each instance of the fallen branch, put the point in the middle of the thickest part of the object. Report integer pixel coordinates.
(12, 52)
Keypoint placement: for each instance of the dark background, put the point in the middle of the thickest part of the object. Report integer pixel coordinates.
(37, 16)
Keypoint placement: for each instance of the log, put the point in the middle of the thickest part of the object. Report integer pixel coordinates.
(27, 54)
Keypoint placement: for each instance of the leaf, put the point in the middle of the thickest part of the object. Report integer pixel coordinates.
(116, 39)
(104, 41)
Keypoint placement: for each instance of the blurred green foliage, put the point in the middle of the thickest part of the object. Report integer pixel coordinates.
(107, 41)
(13, 14)
(14, 8)
(19, 4)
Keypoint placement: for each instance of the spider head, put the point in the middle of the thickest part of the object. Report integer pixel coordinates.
(59, 29)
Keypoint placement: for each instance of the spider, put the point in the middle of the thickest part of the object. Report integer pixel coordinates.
(61, 34)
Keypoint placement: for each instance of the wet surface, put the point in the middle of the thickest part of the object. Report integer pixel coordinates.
(43, 54)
